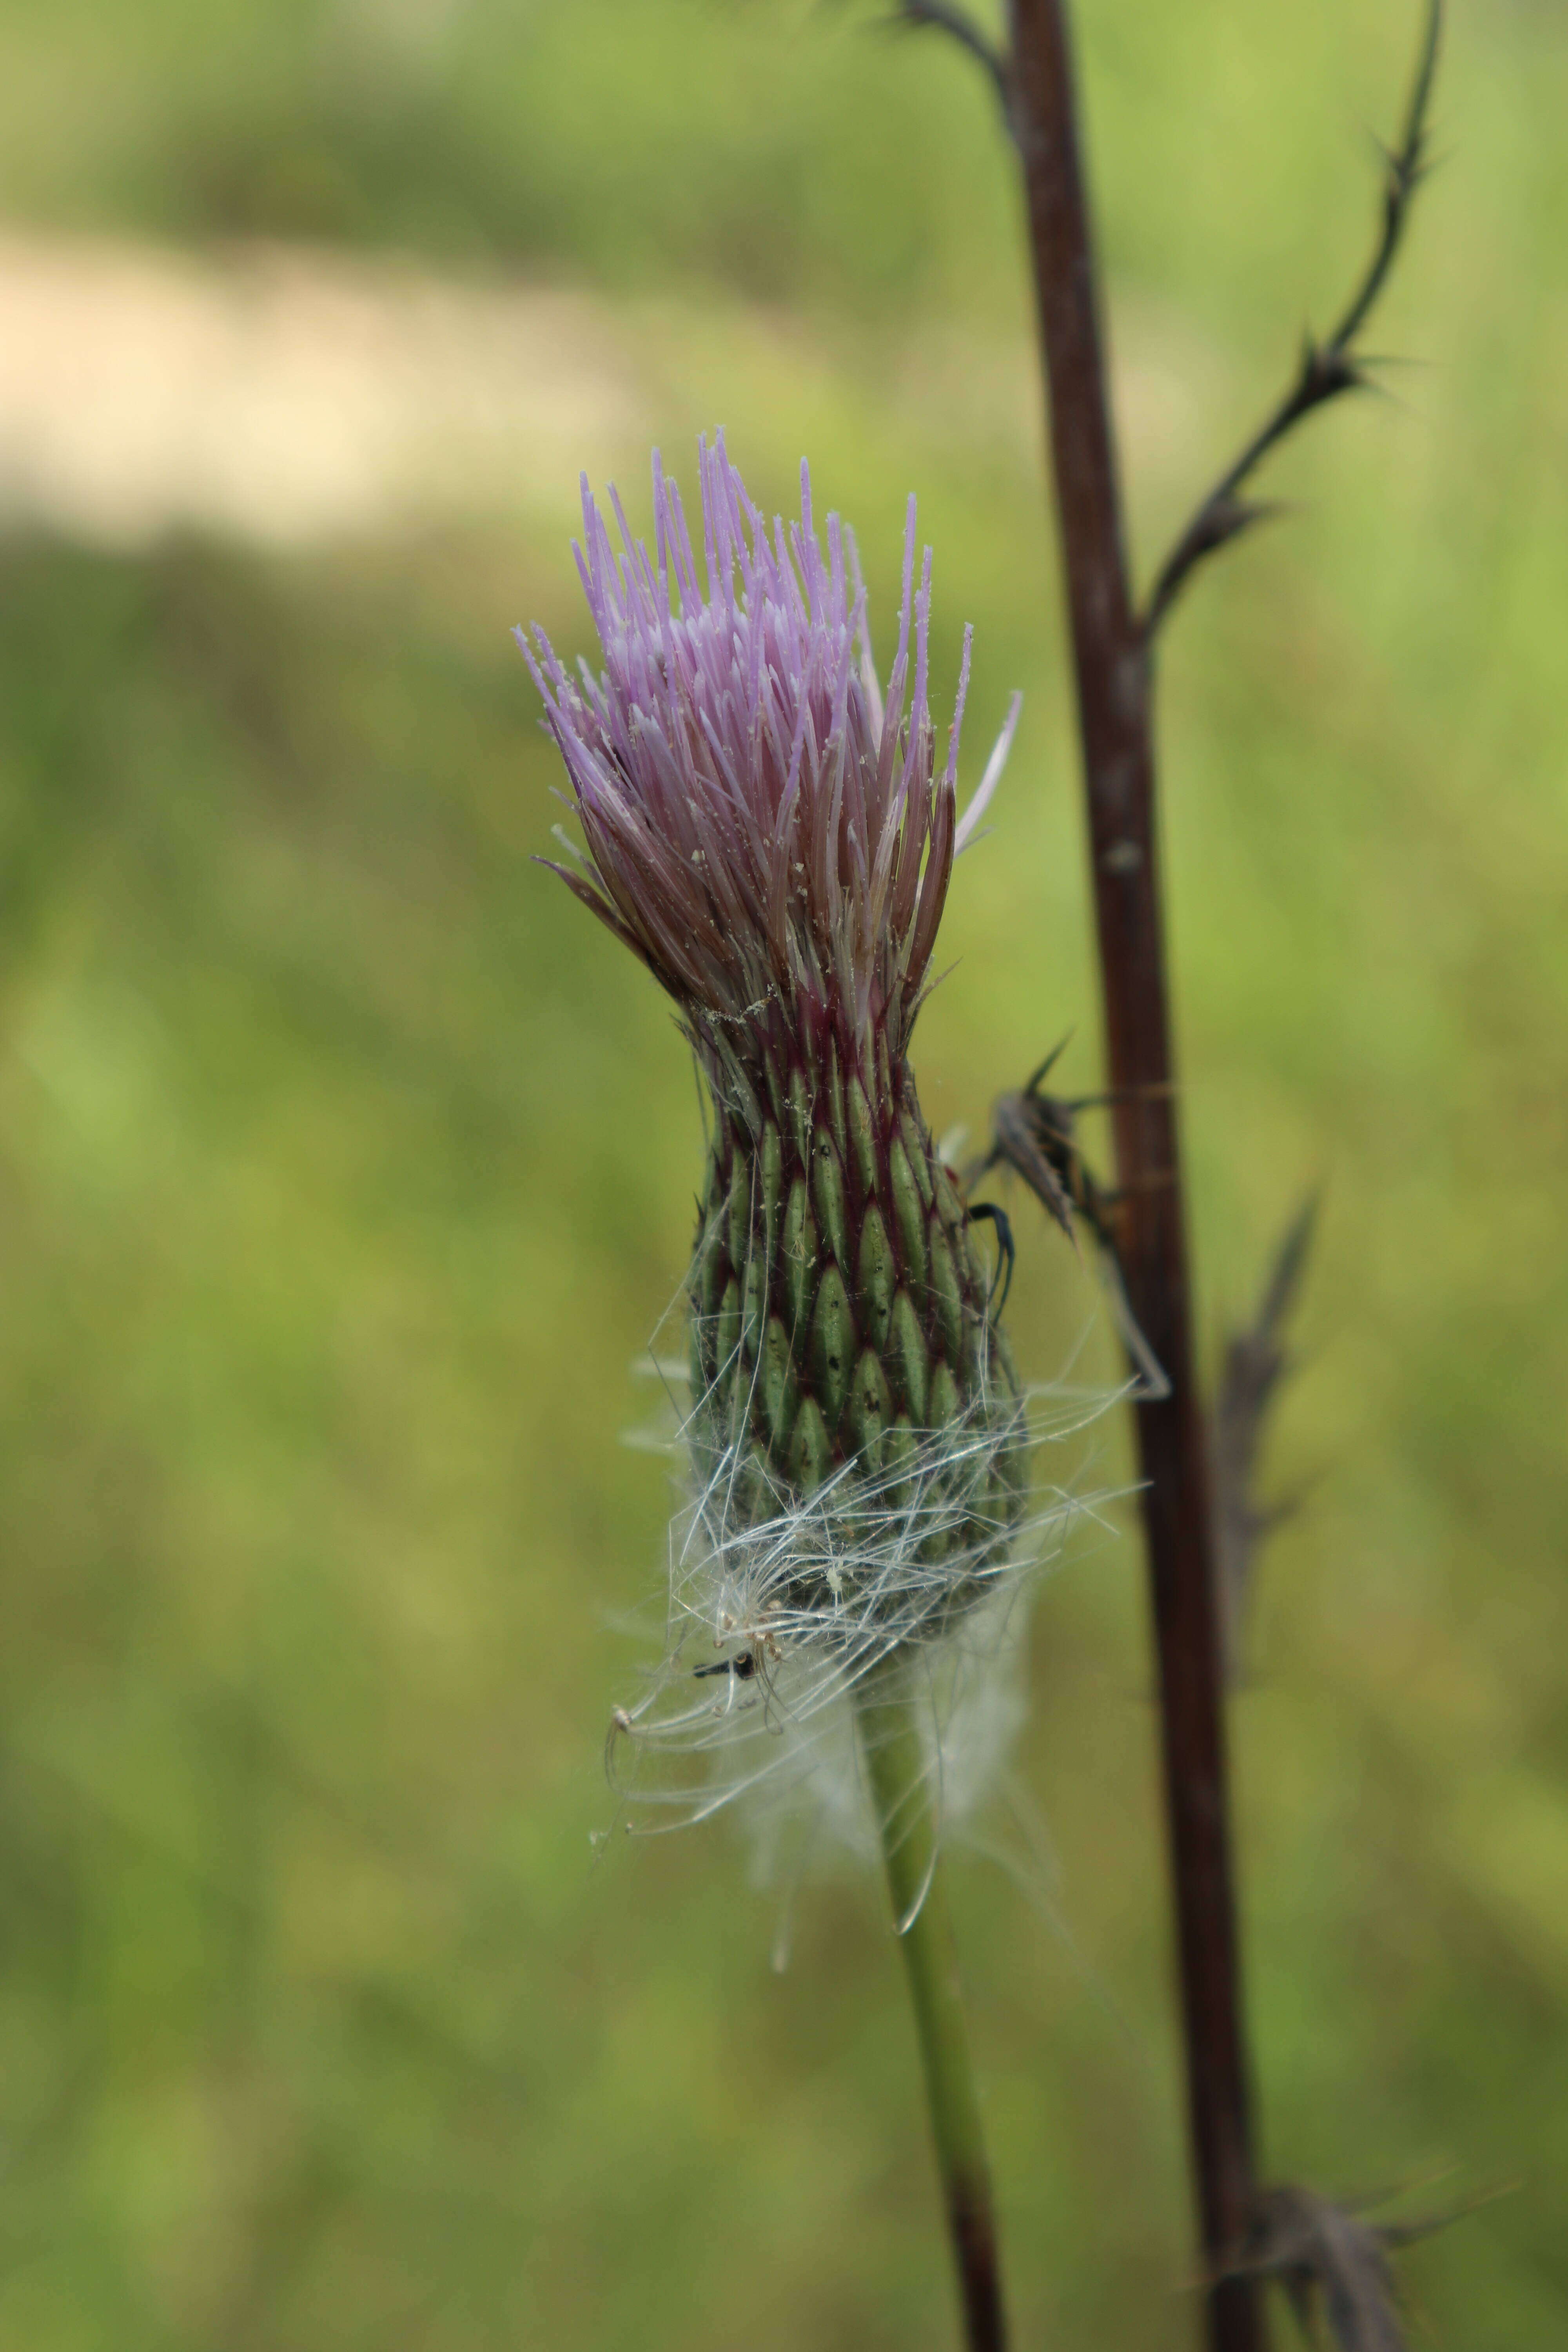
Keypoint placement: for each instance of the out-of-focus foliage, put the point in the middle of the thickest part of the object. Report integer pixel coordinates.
(345, 1171)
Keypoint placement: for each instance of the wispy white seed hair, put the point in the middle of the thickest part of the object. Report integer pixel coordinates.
(780, 1738)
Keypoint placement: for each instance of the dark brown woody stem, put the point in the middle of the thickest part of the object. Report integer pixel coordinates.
(1113, 707)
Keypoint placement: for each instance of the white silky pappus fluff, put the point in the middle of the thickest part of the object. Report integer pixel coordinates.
(750, 1703)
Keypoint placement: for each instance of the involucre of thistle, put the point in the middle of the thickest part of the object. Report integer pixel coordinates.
(770, 836)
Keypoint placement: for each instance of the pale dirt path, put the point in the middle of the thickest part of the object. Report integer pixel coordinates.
(286, 396)
(291, 396)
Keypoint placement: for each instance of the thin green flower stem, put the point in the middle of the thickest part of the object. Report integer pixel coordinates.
(896, 1770)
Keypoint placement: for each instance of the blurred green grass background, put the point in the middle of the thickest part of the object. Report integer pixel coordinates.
(345, 1170)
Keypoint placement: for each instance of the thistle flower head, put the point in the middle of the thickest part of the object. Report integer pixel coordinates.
(766, 829)
(770, 833)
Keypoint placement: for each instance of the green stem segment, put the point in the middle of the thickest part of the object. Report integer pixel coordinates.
(896, 1771)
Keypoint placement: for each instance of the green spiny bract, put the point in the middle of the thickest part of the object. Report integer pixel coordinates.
(840, 1332)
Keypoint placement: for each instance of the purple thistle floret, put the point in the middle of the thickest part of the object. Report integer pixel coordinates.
(765, 829)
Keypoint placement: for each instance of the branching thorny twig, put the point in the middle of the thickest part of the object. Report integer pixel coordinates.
(1326, 369)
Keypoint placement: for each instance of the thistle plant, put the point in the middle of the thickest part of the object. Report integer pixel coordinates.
(771, 835)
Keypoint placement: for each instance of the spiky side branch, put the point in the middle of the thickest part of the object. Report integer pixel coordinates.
(1114, 721)
(1326, 369)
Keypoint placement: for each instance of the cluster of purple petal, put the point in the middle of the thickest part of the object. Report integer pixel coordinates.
(764, 828)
